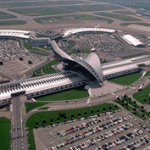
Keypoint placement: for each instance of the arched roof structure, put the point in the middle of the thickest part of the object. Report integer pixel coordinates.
(87, 30)
(91, 63)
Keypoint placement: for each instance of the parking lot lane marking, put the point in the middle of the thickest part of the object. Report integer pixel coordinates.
(23, 64)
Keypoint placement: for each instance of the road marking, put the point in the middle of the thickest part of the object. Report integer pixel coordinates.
(88, 101)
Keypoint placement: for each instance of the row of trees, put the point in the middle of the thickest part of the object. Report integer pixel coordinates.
(63, 115)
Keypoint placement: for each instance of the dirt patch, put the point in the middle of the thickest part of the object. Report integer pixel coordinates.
(139, 27)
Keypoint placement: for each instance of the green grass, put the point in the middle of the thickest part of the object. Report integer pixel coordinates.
(35, 49)
(141, 95)
(127, 79)
(120, 17)
(77, 17)
(65, 95)
(12, 22)
(147, 73)
(5, 127)
(41, 11)
(6, 16)
(71, 44)
(39, 117)
(30, 106)
(43, 108)
(124, 12)
(142, 24)
(47, 71)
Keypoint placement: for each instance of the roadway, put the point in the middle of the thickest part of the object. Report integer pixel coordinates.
(17, 138)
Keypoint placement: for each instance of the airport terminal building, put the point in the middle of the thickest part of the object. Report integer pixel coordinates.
(78, 72)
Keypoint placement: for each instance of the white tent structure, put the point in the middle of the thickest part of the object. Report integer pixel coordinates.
(132, 40)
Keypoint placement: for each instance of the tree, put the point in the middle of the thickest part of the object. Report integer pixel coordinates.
(72, 116)
(58, 119)
(116, 106)
(51, 121)
(85, 114)
(144, 100)
(37, 125)
(97, 112)
(104, 109)
(143, 115)
(142, 107)
(44, 122)
(92, 112)
(79, 115)
(110, 108)
(134, 109)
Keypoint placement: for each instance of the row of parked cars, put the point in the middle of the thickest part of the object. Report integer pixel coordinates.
(120, 140)
(102, 137)
(92, 130)
(136, 144)
(91, 123)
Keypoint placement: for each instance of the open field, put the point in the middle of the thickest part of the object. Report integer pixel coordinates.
(120, 17)
(46, 69)
(142, 24)
(77, 17)
(124, 12)
(35, 49)
(144, 94)
(148, 73)
(30, 106)
(93, 7)
(38, 3)
(6, 16)
(41, 11)
(39, 117)
(127, 79)
(5, 126)
(63, 9)
(65, 95)
(12, 22)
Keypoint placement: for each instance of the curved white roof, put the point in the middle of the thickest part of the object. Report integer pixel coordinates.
(15, 33)
(132, 40)
(74, 31)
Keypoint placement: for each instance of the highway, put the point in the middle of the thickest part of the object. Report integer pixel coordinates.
(18, 142)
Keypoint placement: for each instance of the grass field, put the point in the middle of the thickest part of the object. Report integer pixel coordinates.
(12, 22)
(142, 24)
(39, 117)
(147, 73)
(65, 95)
(77, 17)
(6, 16)
(124, 12)
(41, 11)
(120, 17)
(127, 79)
(35, 49)
(45, 69)
(141, 95)
(30, 106)
(93, 7)
(39, 3)
(5, 126)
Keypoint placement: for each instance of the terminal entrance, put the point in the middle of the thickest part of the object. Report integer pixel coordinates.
(17, 93)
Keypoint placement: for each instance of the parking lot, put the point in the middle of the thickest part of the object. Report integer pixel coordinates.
(103, 132)
(15, 59)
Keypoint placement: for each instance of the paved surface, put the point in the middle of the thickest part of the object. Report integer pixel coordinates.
(18, 142)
